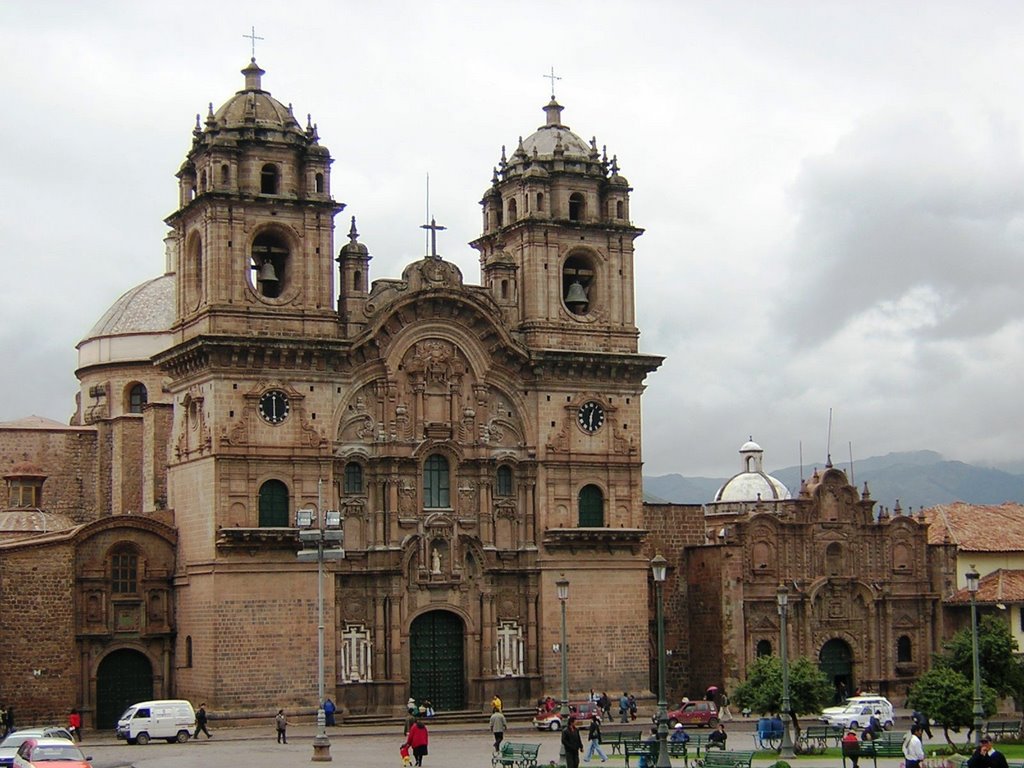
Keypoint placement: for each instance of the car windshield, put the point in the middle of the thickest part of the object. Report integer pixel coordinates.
(18, 738)
(56, 753)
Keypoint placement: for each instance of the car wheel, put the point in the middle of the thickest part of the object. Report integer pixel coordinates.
(555, 725)
(713, 722)
(854, 725)
(182, 737)
(142, 738)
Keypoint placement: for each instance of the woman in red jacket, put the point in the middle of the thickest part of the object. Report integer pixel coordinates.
(417, 739)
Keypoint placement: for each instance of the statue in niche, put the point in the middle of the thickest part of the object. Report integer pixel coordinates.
(435, 562)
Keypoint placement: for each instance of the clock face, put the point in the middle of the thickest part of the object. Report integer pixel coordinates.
(590, 416)
(274, 406)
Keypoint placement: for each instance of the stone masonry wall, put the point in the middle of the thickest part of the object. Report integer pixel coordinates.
(68, 456)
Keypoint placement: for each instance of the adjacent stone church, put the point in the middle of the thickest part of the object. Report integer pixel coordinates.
(481, 442)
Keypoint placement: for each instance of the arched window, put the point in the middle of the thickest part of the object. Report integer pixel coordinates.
(513, 212)
(540, 202)
(273, 504)
(124, 572)
(833, 559)
(225, 174)
(591, 507)
(903, 650)
(764, 648)
(269, 264)
(577, 206)
(137, 397)
(188, 651)
(436, 483)
(269, 179)
(578, 283)
(504, 289)
(357, 281)
(318, 182)
(202, 181)
(353, 478)
(620, 209)
(503, 481)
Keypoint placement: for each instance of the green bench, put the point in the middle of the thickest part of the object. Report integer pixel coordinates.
(855, 751)
(888, 745)
(614, 739)
(642, 749)
(818, 738)
(997, 729)
(515, 755)
(727, 759)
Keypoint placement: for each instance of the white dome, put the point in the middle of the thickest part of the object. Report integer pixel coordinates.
(135, 328)
(750, 445)
(752, 486)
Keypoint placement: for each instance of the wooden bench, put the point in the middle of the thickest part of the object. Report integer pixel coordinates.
(997, 729)
(614, 739)
(887, 745)
(817, 738)
(860, 750)
(646, 750)
(516, 755)
(727, 759)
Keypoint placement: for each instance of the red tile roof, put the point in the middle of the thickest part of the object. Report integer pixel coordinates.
(977, 527)
(1003, 586)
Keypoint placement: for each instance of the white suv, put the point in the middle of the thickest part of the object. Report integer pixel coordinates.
(856, 713)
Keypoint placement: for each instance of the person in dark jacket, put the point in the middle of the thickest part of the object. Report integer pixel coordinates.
(572, 743)
(201, 719)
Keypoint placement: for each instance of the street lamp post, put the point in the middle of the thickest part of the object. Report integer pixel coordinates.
(658, 568)
(320, 542)
(973, 580)
(562, 585)
(782, 595)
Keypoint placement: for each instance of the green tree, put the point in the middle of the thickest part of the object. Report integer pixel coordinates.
(1001, 669)
(809, 688)
(947, 697)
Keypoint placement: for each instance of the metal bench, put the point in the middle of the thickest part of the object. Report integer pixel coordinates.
(614, 739)
(854, 751)
(516, 755)
(647, 751)
(727, 759)
(887, 745)
(818, 738)
(997, 729)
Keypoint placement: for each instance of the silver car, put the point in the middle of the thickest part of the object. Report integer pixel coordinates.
(9, 746)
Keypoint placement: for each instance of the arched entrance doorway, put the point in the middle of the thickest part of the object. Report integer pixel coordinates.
(436, 660)
(836, 661)
(123, 678)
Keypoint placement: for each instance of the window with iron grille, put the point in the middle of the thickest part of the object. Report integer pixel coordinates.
(124, 573)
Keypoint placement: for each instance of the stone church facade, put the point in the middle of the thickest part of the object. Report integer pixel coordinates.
(480, 441)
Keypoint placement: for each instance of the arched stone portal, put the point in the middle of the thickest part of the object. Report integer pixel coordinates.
(437, 660)
(123, 678)
(836, 661)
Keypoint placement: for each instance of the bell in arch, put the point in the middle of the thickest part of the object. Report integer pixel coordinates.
(267, 273)
(576, 297)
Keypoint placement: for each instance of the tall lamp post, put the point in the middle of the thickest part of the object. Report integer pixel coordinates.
(782, 595)
(658, 568)
(973, 580)
(321, 538)
(562, 585)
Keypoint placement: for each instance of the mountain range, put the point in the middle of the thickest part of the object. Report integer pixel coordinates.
(915, 479)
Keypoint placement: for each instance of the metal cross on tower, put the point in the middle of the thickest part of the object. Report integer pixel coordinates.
(433, 226)
(253, 38)
(552, 77)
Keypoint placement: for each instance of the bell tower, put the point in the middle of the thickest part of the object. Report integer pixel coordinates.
(557, 242)
(255, 222)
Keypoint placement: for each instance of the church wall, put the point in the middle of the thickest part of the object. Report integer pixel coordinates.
(126, 478)
(38, 670)
(69, 459)
(673, 529)
(608, 648)
(156, 455)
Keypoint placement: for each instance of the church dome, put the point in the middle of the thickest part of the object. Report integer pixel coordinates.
(22, 521)
(146, 308)
(753, 483)
(253, 108)
(546, 139)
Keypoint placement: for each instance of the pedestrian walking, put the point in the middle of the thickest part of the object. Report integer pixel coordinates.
(913, 750)
(724, 713)
(594, 741)
(201, 719)
(418, 739)
(498, 724)
(572, 743)
(282, 727)
(624, 707)
(75, 725)
(329, 710)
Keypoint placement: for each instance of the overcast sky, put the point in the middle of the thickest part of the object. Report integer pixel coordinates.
(832, 192)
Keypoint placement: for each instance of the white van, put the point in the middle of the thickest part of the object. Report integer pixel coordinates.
(170, 719)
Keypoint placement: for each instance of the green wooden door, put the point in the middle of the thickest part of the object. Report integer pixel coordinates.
(836, 661)
(436, 660)
(124, 677)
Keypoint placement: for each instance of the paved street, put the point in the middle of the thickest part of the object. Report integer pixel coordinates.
(451, 746)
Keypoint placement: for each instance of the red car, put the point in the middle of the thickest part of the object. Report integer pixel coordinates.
(699, 713)
(546, 720)
(50, 753)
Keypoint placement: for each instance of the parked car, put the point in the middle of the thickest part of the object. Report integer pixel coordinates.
(552, 721)
(168, 719)
(699, 713)
(858, 711)
(9, 746)
(45, 752)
